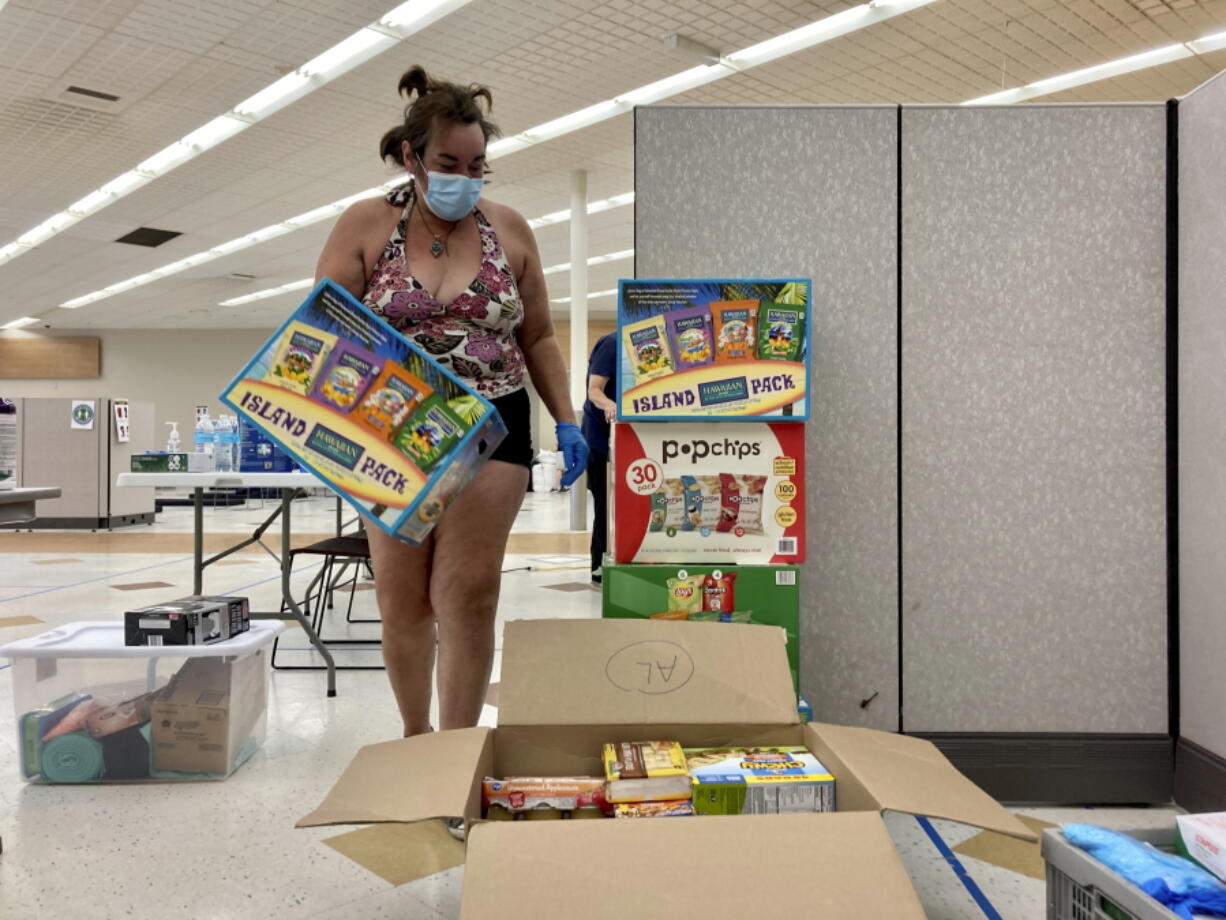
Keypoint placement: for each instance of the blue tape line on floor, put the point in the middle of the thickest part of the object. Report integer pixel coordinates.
(959, 870)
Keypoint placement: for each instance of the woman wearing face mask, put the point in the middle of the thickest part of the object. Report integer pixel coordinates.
(461, 277)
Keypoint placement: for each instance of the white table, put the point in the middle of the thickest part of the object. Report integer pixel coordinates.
(17, 505)
(290, 485)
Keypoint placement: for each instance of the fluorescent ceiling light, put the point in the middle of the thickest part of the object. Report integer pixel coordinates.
(364, 44)
(591, 296)
(299, 285)
(594, 260)
(23, 321)
(596, 207)
(415, 13)
(1164, 55)
(1208, 43)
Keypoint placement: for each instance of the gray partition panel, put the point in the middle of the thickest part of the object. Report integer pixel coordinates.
(806, 191)
(1033, 419)
(1202, 416)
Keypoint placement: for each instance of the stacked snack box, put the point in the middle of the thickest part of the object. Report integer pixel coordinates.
(709, 519)
(369, 413)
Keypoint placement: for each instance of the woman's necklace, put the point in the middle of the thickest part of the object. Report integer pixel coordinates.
(439, 246)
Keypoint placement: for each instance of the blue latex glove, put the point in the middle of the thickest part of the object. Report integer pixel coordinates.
(574, 451)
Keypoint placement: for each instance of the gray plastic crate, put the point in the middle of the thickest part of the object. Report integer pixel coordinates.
(1079, 887)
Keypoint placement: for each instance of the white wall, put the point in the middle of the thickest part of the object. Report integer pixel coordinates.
(173, 369)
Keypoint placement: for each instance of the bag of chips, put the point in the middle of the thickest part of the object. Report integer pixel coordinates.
(709, 496)
(781, 331)
(429, 433)
(674, 503)
(685, 594)
(391, 399)
(300, 356)
(646, 343)
(735, 325)
(729, 502)
(749, 506)
(689, 331)
(659, 510)
(693, 503)
(346, 376)
(719, 591)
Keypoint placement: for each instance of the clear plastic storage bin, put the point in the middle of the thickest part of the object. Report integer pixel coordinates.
(90, 709)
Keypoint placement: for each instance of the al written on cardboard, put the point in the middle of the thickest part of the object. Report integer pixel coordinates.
(570, 686)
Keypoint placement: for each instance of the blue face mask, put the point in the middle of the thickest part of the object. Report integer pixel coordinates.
(451, 197)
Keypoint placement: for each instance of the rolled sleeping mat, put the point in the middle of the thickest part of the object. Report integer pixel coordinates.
(72, 758)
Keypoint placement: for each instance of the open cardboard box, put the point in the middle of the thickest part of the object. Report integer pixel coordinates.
(568, 686)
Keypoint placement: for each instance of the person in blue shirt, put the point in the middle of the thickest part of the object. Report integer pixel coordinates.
(598, 411)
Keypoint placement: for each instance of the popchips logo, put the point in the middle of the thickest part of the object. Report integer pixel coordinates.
(700, 449)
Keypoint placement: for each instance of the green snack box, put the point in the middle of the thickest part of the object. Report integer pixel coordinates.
(169, 463)
(781, 331)
(429, 433)
(759, 781)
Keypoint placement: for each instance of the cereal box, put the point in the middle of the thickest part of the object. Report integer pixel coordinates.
(714, 349)
(351, 452)
(707, 494)
(759, 781)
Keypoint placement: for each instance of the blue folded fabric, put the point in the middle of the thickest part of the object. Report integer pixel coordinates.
(1171, 880)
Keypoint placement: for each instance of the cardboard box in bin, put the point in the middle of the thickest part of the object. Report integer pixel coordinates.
(567, 687)
(202, 719)
(367, 411)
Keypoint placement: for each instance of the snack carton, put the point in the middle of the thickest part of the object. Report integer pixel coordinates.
(716, 349)
(567, 687)
(342, 430)
(730, 493)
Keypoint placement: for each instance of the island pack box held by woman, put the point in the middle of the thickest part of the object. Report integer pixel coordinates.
(367, 411)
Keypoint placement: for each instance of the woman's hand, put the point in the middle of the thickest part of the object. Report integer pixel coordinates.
(574, 451)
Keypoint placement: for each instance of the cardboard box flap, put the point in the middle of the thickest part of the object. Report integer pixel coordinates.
(879, 770)
(625, 672)
(837, 865)
(409, 779)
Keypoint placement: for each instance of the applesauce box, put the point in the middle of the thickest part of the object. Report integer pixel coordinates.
(429, 433)
(391, 399)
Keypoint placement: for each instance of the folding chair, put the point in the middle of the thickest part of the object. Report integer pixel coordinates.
(339, 555)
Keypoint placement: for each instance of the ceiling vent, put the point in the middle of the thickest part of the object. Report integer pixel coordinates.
(85, 94)
(148, 236)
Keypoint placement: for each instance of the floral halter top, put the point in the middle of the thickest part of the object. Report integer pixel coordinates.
(474, 335)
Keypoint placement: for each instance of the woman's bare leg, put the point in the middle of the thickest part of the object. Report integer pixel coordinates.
(402, 589)
(470, 541)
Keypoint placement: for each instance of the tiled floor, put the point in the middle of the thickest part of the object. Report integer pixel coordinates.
(229, 850)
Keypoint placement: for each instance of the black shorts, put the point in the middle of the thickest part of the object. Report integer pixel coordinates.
(516, 411)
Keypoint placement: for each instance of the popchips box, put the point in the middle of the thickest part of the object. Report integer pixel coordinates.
(324, 433)
(728, 493)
